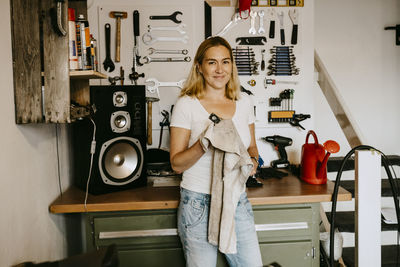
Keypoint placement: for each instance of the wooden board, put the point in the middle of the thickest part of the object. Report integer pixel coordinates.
(288, 190)
(26, 60)
(56, 65)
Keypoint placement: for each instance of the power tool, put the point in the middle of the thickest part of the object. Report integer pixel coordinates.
(280, 142)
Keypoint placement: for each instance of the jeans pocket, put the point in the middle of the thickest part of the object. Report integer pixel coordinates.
(246, 205)
(194, 211)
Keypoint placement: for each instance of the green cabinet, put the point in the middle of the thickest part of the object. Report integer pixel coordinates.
(288, 235)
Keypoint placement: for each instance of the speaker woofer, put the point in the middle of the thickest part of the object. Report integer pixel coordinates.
(121, 160)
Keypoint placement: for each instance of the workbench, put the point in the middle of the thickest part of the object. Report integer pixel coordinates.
(142, 221)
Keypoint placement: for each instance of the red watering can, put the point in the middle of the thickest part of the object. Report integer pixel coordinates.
(314, 159)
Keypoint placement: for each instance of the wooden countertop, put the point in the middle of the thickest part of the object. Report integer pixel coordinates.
(287, 190)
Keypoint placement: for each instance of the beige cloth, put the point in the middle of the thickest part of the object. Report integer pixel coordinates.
(231, 168)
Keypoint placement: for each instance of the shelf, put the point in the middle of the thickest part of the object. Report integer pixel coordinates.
(220, 3)
(87, 74)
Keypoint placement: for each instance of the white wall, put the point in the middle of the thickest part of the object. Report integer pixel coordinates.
(29, 180)
(364, 62)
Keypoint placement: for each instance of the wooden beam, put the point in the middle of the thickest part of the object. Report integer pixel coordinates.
(26, 60)
(337, 104)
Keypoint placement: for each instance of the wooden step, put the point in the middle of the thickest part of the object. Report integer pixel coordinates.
(388, 256)
(344, 221)
(386, 190)
(335, 162)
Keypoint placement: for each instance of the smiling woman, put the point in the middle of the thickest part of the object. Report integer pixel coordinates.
(213, 91)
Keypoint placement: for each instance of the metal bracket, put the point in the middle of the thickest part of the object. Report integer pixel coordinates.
(397, 28)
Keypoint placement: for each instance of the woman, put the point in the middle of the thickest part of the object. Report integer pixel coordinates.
(212, 88)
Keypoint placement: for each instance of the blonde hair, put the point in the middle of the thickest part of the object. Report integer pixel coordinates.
(195, 83)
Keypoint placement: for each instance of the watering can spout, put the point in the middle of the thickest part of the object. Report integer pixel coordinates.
(331, 147)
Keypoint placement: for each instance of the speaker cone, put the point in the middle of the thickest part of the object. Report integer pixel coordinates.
(120, 121)
(121, 160)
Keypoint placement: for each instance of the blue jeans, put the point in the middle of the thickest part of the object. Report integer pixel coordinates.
(193, 230)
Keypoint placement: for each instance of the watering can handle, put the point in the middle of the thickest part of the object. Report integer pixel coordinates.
(314, 135)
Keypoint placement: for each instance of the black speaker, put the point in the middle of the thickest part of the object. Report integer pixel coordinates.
(119, 123)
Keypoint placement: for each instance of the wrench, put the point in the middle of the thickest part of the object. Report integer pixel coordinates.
(153, 88)
(294, 16)
(148, 39)
(271, 14)
(261, 29)
(108, 64)
(171, 17)
(148, 59)
(178, 28)
(253, 15)
(235, 19)
(160, 51)
(280, 17)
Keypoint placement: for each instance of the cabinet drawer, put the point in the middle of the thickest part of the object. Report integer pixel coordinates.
(297, 254)
(284, 221)
(136, 229)
(151, 257)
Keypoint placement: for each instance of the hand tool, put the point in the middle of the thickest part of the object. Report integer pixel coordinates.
(108, 64)
(178, 28)
(261, 28)
(271, 15)
(279, 142)
(235, 19)
(160, 51)
(149, 101)
(170, 17)
(154, 84)
(282, 29)
(122, 75)
(294, 17)
(297, 118)
(253, 15)
(283, 72)
(259, 40)
(136, 35)
(147, 59)
(118, 15)
(149, 39)
(262, 60)
(164, 122)
(60, 27)
(134, 76)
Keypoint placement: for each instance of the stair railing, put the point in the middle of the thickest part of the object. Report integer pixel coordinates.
(367, 169)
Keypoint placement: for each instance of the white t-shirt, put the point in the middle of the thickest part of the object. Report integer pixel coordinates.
(188, 113)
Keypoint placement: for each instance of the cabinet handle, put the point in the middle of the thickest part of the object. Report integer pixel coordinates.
(138, 233)
(174, 231)
(281, 226)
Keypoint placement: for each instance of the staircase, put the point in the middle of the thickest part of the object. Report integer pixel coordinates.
(345, 215)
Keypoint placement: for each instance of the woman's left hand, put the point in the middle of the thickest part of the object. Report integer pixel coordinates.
(255, 166)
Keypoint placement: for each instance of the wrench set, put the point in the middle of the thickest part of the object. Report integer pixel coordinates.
(282, 62)
(155, 34)
(245, 61)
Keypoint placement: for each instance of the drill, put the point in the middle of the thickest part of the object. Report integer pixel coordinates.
(280, 142)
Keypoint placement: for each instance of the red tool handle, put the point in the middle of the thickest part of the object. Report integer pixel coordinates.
(244, 6)
(311, 132)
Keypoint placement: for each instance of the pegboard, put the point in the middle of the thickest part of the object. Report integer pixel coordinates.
(173, 72)
(301, 83)
(161, 71)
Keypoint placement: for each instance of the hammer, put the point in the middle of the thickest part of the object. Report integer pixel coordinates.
(118, 15)
(150, 101)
